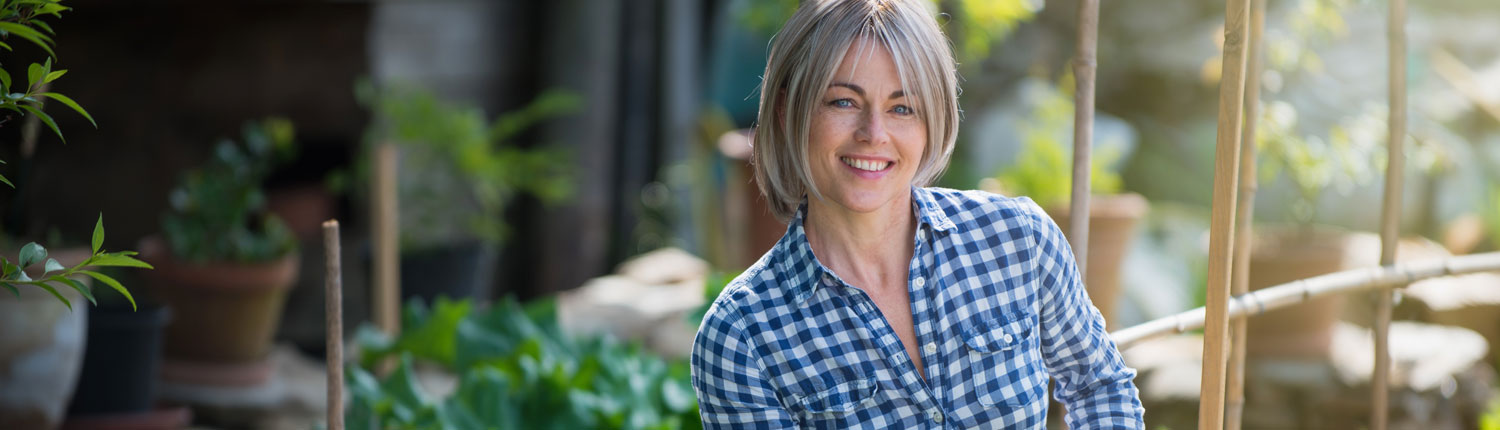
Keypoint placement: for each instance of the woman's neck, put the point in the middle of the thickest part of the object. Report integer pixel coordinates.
(868, 249)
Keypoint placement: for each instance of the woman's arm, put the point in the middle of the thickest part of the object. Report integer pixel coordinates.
(732, 393)
(1092, 379)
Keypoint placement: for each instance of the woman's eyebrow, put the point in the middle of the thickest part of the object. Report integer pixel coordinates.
(861, 91)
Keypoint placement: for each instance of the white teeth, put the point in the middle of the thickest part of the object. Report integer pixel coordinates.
(866, 165)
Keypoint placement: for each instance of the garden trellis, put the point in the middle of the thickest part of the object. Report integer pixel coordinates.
(1229, 304)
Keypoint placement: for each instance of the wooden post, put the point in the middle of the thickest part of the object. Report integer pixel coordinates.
(1221, 225)
(1244, 218)
(387, 276)
(1390, 214)
(1083, 131)
(333, 316)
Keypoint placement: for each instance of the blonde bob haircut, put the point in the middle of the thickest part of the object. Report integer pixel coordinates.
(803, 58)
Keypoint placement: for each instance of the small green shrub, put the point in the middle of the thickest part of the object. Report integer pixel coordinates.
(516, 370)
(218, 211)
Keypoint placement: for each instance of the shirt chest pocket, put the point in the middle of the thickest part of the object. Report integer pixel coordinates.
(1003, 359)
(839, 404)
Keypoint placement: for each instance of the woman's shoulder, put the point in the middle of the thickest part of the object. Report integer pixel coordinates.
(968, 208)
(757, 288)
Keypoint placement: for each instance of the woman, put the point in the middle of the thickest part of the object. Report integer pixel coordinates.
(889, 305)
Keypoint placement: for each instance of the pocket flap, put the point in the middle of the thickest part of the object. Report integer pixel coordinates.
(842, 398)
(998, 334)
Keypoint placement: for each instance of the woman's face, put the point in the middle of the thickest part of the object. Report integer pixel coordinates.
(866, 137)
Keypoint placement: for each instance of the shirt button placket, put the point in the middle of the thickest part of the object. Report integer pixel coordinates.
(936, 415)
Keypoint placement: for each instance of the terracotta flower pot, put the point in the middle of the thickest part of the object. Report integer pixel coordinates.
(41, 351)
(223, 313)
(1282, 254)
(1112, 221)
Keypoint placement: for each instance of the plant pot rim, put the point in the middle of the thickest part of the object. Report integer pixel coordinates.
(275, 274)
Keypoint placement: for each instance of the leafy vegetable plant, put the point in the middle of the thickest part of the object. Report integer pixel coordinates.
(516, 370)
(218, 212)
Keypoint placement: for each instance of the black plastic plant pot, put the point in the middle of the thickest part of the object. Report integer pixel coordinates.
(121, 361)
(458, 271)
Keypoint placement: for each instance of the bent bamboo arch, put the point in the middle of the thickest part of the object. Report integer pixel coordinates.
(1232, 210)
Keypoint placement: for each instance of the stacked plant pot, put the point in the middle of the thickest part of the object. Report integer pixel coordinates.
(224, 316)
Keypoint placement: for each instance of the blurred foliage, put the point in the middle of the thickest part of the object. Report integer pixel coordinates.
(458, 170)
(1350, 155)
(1490, 420)
(973, 25)
(1044, 168)
(218, 211)
(516, 370)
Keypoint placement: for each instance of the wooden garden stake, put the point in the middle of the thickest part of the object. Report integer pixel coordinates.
(1221, 226)
(1084, 67)
(1390, 213)
(1304, 290)
(333, 314)
(1244, 218)
(387, 297)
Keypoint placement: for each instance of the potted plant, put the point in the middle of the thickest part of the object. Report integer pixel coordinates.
(224, 264)
(458, 172)
(1043, 171)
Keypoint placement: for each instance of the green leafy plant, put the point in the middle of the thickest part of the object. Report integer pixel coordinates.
(218, 211)
(25, 19)
(1044, 168)
(516, 370)
(55, 275)
(459, 171)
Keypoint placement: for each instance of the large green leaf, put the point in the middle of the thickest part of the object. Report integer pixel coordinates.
(112, 283)
(31, 254)
(54, 292)
(29, 34)
(70, 103)
(118, 259)
(78, 286)
(46, 119)
(98, 240)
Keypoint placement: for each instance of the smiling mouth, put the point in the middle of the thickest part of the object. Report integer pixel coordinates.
(866, 165)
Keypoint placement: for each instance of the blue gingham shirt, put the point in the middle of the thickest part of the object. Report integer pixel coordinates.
(997, 306)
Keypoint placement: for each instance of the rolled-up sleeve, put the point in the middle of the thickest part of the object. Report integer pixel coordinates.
(1093, 381)
(732, 392)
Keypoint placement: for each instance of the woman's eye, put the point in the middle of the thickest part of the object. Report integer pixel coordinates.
(903, 110)
(842, 103)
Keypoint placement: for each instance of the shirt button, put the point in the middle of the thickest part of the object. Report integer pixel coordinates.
(937, 417)
(931, 349)
(920, 282)
(1009, 338)
(828, 280)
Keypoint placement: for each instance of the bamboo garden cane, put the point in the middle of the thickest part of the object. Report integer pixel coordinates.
(1084, 67)
(1303, 290)
(333, 317)
(1221, 226)
(1244, 218)
(387, 296)
(1390, 214)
